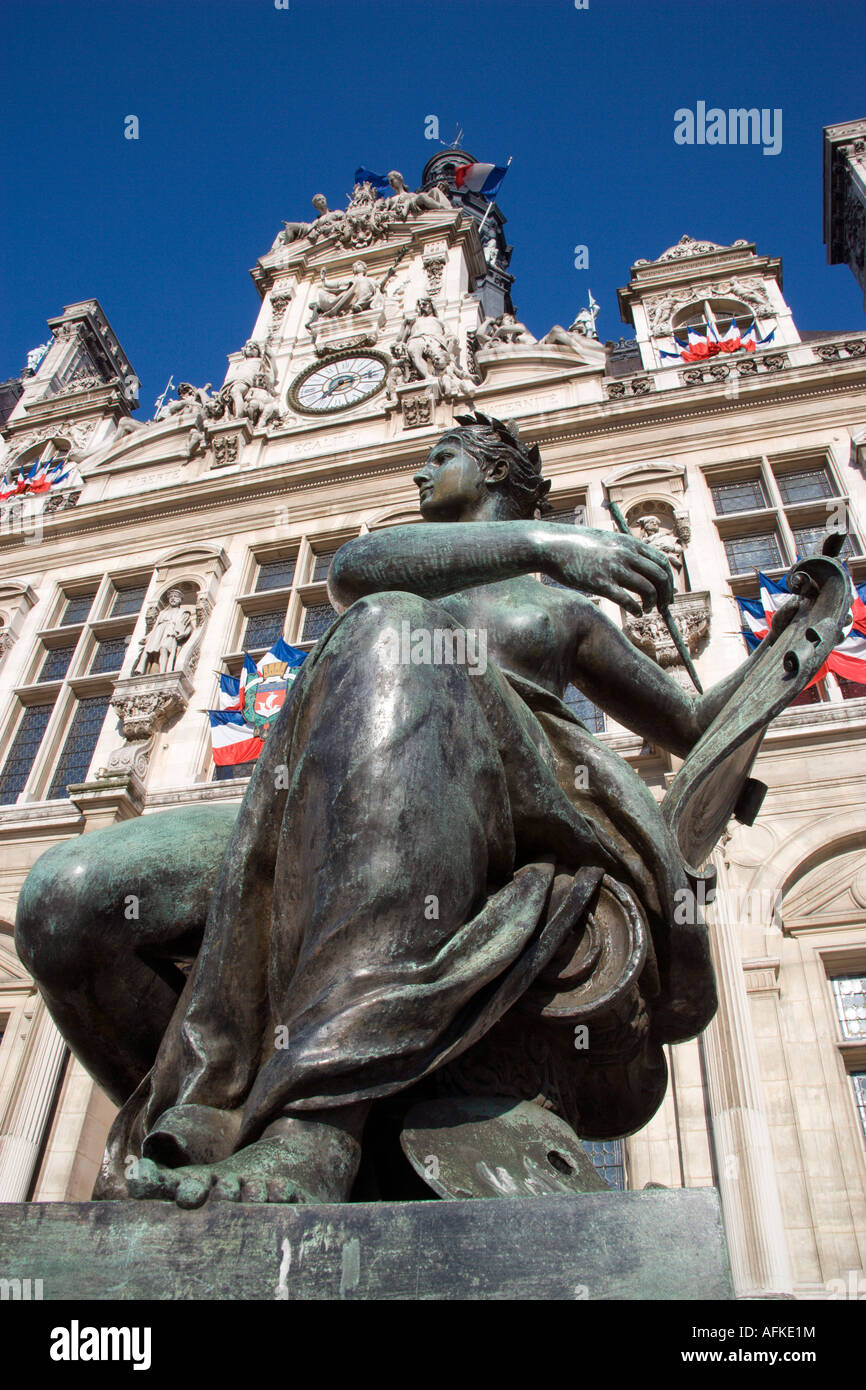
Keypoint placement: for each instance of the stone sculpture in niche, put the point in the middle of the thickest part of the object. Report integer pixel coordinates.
(667, 542)
(167, 630)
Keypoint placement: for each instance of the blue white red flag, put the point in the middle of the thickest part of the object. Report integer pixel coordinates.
(232, 739)
(230, 693)
(703, 345)
(249, 703)
(480, 178)
(848, 658)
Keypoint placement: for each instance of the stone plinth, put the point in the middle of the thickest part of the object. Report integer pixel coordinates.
(661, 1245)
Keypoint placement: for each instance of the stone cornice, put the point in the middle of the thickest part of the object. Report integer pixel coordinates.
(273, 479)
(37, 819)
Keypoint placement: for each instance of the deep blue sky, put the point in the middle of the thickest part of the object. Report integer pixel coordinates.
(246, 111)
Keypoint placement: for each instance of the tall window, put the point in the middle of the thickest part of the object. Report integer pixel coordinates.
(849, 999)
(59, 710)
(774, 510)
(849, 992)
(858, 1081)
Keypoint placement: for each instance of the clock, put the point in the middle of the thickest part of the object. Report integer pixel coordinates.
(338, 383)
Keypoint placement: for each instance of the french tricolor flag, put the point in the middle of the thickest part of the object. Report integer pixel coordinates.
(847, 660)
(233, 740)
(480, 178)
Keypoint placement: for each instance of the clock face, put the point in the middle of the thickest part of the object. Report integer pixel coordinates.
(339, 383)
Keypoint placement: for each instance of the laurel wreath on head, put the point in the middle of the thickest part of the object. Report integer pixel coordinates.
(508, 432)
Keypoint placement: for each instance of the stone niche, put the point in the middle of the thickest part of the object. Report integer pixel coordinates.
(652, 499)
(16, 600)
(157, 688)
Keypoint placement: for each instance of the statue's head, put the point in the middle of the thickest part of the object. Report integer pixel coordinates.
(185, 389)
(481, 462)
(650, 524)
(252, 349)
(396, 180)
(174, 597)
(358, 268)
(424, 306)
(320, 202)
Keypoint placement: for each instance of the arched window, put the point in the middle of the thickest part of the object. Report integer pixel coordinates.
(719, 313)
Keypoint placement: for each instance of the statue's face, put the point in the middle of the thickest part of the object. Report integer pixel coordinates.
(319, 202)
(450, 483)
(424, 306)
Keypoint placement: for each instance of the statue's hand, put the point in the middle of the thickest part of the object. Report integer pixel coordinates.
(613, 566)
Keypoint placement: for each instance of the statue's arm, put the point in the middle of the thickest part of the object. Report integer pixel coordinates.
(435, 559)
(637, 693)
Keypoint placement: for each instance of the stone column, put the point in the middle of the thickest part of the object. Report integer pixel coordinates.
(27, 1116)
(741, 1136)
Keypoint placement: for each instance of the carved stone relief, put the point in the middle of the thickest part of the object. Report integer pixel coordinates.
(649, 632)
(661, 308)
(417, 410)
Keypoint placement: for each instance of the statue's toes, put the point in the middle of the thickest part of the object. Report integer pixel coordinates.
(254, 1190)
(282, 1190)
(192, 1191)
(148, 1180)
(227, 1188)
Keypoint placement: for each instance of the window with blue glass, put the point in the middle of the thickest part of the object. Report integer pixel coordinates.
(56, 662)
(275, 574)
(608, 1157)
(78, 749)
(77, 609)
(109, 654)
(589, 714)
(318, 617)
(22, 753)
(263, 629)
(92, 667)
(128, 601)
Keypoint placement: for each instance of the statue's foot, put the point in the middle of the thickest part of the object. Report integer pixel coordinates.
(262, 1172)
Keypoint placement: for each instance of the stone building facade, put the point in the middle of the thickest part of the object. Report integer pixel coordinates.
(845, 197)
(376, 325)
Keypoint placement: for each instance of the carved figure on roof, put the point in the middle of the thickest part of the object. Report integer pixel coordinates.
(253, 368)
(297, 231)
(455, 382)
(404, 203)
(503, 328)
(426, 340)
(338, 297)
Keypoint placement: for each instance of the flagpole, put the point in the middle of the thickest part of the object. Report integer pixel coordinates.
(490, 204)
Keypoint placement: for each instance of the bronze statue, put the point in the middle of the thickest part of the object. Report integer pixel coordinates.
(439, 882)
